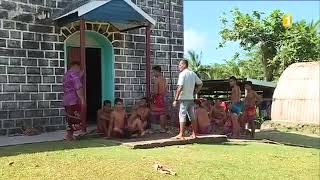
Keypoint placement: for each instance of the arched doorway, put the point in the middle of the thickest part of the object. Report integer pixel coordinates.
(99, 68)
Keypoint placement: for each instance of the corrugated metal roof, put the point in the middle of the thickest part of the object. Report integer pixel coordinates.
(123, 14)
(85, 8)
(262, 83)
(223, 84)
(211, 87)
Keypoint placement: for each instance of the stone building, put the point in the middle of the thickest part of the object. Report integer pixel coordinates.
(35, 50)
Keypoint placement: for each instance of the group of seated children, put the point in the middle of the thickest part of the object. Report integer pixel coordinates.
(117, 123)
(212, 117)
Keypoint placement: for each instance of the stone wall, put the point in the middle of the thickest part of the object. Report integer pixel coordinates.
(31, 66)
(130, 59)
(32, 60)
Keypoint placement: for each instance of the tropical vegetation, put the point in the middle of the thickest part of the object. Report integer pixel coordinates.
(270, 47)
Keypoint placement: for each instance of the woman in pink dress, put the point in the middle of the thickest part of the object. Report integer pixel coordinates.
(73, 99)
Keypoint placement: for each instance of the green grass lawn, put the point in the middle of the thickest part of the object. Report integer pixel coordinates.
(98, 159)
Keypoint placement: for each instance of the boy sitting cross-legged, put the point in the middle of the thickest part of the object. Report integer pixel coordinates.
(118, 124)
(139, 118)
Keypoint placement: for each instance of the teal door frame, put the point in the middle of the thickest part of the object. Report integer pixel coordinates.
(96, 40)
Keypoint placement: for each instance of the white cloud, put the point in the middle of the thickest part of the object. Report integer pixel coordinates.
(194, 40)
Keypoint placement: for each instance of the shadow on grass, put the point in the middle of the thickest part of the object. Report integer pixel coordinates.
(228, 143)
(54, 146)
(95, 141)
(289, 138)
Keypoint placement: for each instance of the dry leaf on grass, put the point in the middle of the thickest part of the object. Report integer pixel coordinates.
(163, 169)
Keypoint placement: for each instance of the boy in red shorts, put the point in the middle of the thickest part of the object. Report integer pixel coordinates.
(250, 101)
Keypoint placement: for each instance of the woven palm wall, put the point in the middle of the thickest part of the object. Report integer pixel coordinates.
(296, 97)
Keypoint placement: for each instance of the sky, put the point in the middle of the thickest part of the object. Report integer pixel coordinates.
(202, 23)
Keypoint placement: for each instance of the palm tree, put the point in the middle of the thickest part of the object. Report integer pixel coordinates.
(314, 26)
(195, 63)
(232, 66)
(215, 71)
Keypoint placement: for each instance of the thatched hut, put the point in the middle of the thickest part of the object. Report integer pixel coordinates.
(297, 96)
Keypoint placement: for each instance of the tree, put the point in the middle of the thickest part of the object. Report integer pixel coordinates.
(278, 46)
(215, 71)
(300, 43)
(251, 67)
(241, 68)
(232, 66)
(195, 65)
(253, 32)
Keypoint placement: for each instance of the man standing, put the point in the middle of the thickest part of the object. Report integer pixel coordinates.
(189, 84)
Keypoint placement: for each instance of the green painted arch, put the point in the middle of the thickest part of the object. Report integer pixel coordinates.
(96, 40)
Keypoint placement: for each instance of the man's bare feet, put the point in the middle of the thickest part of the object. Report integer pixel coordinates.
(179, 136)
(193, 136)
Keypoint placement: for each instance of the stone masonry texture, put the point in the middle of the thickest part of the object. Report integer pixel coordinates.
(32, 60)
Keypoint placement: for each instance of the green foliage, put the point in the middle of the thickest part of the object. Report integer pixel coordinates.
(270, 46)
(247, 68)
(195, 65)
(278, 46)
(216, 71)
(301, 43)
(251, 67)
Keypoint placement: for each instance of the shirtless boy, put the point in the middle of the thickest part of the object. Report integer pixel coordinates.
(202, 117)
(117, 126)
(140, 117)
(103, 117)
(159, 104)
(235, 106)
(250, 101)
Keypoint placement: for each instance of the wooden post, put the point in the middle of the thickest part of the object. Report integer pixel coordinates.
(148, 63)
(83, 68)
(148, 68)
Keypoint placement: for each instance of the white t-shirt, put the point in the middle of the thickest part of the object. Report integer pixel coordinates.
(188, 79)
